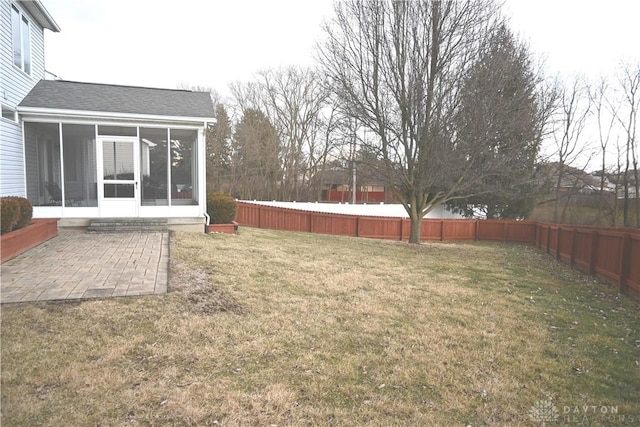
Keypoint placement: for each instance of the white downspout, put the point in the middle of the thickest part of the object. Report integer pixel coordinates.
(203, 193)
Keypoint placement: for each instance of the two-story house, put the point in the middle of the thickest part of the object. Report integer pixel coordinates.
(22, 25)
(85, 150)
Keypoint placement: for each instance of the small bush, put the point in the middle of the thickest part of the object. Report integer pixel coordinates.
(25, 214)
(15, 213)
(221, 208)
(9, 211)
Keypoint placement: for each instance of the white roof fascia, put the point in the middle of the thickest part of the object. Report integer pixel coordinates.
(41, 15)
(53, 112)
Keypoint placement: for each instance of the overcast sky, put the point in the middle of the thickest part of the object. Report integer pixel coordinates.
(212, 43)
(163, 44)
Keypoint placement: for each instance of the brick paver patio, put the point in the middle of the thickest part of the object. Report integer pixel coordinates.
(77, 265)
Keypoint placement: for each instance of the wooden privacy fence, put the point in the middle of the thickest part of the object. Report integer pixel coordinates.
(613, 254)
(276, 218)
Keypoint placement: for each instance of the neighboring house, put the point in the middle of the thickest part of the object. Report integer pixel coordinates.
(337, 186)
(87, 150)
(22, 25)
(617, 182)
(607, 185)
(573, 180)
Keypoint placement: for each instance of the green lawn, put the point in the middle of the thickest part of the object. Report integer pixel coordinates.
(292, 329)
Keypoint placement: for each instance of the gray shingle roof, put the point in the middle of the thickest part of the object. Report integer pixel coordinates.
(66, 95)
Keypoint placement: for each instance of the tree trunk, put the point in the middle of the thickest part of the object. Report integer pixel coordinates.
(415, 214)
(601, 194)
(625, 202)
(491, 212)
(636, 186)
(558, 185)
(416, 225)
(616, 209)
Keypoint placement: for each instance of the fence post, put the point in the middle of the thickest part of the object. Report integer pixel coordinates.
(404, 225)
(441, 230)
(401, 227)
(311, 222)
(504, 232)
(259, 216)
(357, 226)
(594, 252)
(477, 229)
(574, 236)
(625, 260)
(558, 242)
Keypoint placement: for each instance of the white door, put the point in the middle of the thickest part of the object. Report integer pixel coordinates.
(118, 172)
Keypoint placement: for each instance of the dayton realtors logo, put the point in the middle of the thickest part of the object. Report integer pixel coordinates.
(544, 411)
(585, 414)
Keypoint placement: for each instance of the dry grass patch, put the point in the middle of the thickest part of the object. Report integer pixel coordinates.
(274, 328)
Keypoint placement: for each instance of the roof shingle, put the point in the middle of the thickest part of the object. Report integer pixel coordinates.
(95, 97)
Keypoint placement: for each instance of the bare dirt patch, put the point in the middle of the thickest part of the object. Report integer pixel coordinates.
(202, 296)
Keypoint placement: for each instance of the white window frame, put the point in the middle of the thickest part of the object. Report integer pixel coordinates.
(10, 110)
(23, 45)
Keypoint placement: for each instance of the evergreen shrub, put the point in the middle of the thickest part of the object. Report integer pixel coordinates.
(222, 208)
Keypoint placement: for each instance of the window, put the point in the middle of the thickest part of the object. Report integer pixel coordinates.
(153, 166)
(42, 164)
(183, 167)
(8, 113)
(20, 35)
(80, 170)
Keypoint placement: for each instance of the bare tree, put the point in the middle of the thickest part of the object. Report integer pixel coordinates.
(322, 149)
(573, 112)
(397, 67)
(605, 113)
(629, 84)
(618, 172)
(294, 100)
(245, 96)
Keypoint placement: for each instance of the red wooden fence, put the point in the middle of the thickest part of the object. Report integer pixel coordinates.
(276, 218)
(612, 254)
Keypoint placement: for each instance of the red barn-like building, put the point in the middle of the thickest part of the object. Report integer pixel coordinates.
(337, 187)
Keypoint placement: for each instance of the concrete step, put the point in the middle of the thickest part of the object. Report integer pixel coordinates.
(126, 225)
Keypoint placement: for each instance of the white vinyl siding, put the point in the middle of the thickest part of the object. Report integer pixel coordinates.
(33, 182)
(15, 82)
(14, 86)
(11, 162)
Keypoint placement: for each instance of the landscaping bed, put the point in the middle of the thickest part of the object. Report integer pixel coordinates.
(18, 241)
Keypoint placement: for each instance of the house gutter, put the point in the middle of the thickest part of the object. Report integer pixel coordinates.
(56, 113)
(206, 225)
(204, 143)
(41, 15)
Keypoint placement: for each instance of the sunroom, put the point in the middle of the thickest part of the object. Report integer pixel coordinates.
(94, 151)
